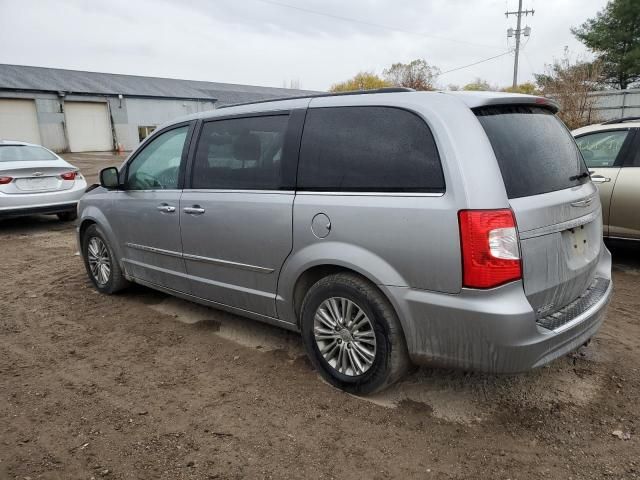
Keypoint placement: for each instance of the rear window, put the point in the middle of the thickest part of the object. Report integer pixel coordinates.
(24, 153)
(374, 149)
(535, 151)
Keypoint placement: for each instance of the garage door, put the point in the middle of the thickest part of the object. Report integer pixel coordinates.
(18, 120)
(88, 127)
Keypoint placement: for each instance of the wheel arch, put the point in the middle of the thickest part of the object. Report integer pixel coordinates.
(307, 278)
(93, 216)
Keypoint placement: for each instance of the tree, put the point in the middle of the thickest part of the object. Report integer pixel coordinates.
(570, 83)
(528, 88)
(417, 74)
(614, 35)
(479, 85)
(362, 81)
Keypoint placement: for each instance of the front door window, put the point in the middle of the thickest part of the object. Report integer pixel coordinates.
(158, 165)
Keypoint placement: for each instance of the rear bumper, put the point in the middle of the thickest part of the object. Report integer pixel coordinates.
(14, 205)
(493, 331)
(44, 209)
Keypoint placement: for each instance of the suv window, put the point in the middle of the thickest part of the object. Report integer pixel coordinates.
(241, 153)
(157, 166)
(601, 149)
(535, 151)
(376, 149)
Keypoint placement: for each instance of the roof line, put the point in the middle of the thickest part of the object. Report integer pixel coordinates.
(102, 94)
(329, 94)
(620, 120)
(143, 76)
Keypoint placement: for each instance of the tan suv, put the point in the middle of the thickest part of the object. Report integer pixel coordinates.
(611, 150)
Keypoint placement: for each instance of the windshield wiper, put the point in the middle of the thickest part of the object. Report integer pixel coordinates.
(578, 177)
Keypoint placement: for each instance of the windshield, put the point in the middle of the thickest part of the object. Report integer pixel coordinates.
(24, 153)
(535, 151)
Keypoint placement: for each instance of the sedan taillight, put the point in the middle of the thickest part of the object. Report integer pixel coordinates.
(68, 176)
(5, 180)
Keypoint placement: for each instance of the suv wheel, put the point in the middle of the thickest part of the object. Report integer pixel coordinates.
(101, 264)
(352, 334)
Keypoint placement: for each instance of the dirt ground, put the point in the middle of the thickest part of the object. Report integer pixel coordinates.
(142, 386)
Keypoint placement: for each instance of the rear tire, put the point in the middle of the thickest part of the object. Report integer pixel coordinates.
(374, 351)
(101, 263)
(67, 216)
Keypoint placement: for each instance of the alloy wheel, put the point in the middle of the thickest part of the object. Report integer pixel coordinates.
(344, 335)
(99, 260)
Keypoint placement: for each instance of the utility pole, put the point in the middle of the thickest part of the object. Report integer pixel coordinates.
(510, 33)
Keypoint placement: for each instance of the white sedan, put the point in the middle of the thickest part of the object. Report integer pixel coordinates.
(35, 180)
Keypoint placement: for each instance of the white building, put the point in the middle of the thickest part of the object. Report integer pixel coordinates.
(69, 110)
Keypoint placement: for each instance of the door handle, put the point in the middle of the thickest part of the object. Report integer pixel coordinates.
(166, 208)
(195, 210)
(599, 179)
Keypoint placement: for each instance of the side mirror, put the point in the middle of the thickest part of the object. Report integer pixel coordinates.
(109, 178)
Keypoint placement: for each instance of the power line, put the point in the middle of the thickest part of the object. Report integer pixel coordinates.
(478, 62)
(371, 24)
(518, 31)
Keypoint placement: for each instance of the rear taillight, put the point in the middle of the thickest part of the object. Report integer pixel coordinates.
(5, 180)
(490, 250)
(68, 176)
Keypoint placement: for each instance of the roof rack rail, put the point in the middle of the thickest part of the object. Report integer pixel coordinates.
(328, 94)
(621, 120)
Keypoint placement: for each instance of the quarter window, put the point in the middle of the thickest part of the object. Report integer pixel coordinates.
(377, 149)
(241, 153)
(601, 149)
(157, 166)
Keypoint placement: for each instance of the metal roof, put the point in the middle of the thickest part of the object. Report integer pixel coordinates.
(27, 78)
(406, 97)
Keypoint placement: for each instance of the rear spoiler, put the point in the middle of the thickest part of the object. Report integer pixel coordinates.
(489, 99)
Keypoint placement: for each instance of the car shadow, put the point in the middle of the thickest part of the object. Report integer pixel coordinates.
(33, 224)
(626, 255)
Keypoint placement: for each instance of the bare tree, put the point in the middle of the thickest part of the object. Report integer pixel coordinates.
(571, 83)
(417, 74)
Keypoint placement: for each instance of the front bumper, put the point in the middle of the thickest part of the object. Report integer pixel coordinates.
(494, 330)
(14, 205)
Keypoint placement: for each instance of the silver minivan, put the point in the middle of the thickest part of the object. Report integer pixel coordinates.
(390, 228)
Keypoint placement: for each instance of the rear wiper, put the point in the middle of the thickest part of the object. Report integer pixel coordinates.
(578, 177)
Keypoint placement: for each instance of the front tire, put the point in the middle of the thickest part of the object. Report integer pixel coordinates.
(352, 334)
(100, 262)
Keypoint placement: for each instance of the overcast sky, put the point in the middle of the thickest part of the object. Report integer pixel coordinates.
(268, 42)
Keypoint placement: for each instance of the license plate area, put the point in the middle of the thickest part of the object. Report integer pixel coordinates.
(581, 244)
(578, 240)
(37, 184)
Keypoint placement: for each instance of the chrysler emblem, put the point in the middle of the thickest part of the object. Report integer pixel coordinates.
(582, 203)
